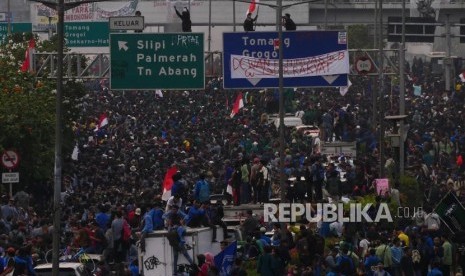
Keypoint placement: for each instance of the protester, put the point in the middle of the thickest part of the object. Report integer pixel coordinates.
(249, 22)
(186, 19)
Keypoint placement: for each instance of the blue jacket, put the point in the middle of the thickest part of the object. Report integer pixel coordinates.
(194, 213)
(102, 220)
(435, 272)
(26, 262)
(157, 219)
(148, 222)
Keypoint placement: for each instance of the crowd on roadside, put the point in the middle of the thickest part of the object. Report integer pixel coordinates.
(121, 166)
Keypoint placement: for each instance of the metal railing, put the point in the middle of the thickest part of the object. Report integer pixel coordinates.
(97, 65)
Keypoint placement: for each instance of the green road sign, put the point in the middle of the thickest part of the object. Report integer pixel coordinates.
(15, 28)
(157, 61)
(86, 34)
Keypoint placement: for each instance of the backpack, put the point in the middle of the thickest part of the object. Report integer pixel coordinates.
(204, 193)
(416, 256)
(173, 238)
(346, 266)
(126, 232)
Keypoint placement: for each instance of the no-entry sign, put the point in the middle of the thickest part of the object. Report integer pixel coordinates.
(10, 159)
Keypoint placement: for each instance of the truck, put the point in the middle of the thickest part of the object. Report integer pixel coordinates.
(157, 260)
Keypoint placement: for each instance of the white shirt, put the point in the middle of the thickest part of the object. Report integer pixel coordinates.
(171, 202)
(364, 244)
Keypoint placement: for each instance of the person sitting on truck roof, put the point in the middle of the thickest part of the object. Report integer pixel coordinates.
(173, 213)
(173, 200)
(215, 215)
(197, 216)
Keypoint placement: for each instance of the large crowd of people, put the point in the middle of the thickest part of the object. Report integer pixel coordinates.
(116, 179)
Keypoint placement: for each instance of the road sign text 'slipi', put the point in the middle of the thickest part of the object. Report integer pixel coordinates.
(157, 61)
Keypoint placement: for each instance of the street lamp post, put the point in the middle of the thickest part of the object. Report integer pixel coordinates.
(402, 93)
(58, 140)
(8, 16)
(381, 92)
(279, 12)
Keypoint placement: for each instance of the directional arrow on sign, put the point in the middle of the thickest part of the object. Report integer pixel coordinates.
(330, 78)
(122, 45)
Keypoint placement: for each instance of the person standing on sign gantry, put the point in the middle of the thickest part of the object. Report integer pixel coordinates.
(249, 22)
(186, 19)
(288, 23)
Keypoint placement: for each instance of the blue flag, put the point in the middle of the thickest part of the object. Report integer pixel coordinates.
(225, 259)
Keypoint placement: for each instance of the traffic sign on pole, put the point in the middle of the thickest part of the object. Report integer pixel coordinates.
(15, 28)
(86, 34)
(310, 59)
(157, 61)
(127, 23)
(364, 65)
(10, 159)
(10, 177)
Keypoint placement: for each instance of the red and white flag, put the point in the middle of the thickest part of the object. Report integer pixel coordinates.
(27, 56)
(238, 104)
(102, 121)
(168, 182)
(252, 7)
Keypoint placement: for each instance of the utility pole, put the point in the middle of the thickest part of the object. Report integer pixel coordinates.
(381, 92)
(448, 61)
(58, 140)
(234, 15)
(402, 93)
(279, 25)
(9, 16)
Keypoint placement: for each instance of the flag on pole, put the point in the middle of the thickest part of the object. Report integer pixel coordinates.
(74, 155)
(102, 121)
(252, 6)
(168, 182)
(238, 104)
(224, 261)
(344, 89)
(27, 55)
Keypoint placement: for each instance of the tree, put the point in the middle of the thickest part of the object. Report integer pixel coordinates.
(27, 105)
(358, 37)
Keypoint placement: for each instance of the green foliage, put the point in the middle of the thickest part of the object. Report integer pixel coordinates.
(27, 112)
(359, 37)
(411, 195)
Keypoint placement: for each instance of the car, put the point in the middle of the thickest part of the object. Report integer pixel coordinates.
(65, 269)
